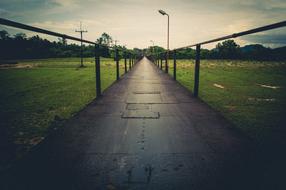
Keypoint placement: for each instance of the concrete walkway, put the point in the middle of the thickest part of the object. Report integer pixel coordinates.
(145, 132)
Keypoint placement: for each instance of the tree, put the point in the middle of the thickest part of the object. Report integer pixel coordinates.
(20, 47)
(105, 39)
(155, 50)
(4, 35)
(20, 36)
(228, 50)
(62, 41)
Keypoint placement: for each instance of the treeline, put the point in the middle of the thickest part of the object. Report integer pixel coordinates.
(230, 50)
(20, 46)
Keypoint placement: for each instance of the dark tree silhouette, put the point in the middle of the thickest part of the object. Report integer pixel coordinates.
(228, 50)
(20, 46)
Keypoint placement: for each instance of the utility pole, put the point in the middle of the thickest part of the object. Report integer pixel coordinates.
(81, 31)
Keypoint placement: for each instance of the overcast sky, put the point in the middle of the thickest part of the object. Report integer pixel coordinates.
(135, 22)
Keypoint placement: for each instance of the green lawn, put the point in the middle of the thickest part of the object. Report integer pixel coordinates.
(250, 94)
(39, 92)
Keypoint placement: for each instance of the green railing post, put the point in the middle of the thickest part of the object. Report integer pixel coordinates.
(197, 70)
(161, 66)
(166, 62)
(117, 63)
(125, 62)
(175, 65)
(97, 71)
(129, 61)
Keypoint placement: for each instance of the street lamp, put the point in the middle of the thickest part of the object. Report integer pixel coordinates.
(164, 13)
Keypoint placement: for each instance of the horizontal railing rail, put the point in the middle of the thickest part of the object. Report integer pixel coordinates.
(158, 58)
(40, 30)
(133, 58)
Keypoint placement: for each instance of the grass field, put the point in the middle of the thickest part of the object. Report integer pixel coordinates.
(38, 93)
(250, 94)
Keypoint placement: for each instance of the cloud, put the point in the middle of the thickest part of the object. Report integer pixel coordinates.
(65, 5)
(266, 38)
(4, 13)
(19, 5)
(137, 22)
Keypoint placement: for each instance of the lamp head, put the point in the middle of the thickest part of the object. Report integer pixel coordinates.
(162, 12)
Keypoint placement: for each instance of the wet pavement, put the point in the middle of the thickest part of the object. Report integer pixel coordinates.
(145, 132)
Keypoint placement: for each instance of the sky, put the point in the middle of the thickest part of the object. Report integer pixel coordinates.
(134, 23)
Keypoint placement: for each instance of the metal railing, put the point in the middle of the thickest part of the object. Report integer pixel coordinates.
(158, 58)
(133, 58)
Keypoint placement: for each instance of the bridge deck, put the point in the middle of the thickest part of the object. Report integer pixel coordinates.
(145, 132)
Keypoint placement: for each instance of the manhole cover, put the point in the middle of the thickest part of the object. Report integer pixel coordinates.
(146, 114)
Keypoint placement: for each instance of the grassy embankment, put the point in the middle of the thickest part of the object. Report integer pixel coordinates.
(250, 94)
(36, 93)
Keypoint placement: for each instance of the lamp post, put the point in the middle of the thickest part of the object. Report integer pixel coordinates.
(164, 13)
